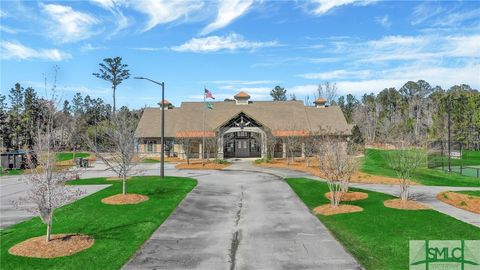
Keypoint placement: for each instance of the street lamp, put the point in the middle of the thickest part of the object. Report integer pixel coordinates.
(162, 141)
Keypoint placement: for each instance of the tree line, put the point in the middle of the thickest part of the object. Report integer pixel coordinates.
(73, 120)
(417, 109)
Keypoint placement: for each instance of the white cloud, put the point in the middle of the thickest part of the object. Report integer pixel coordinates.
(335, 74)
(324, 6)
(424, 12)
(8, 30)
(119, 18)
(17, 51)
(231, 42)
(165, 11)
(89, 47)
(241, 82)
(457, 18)
(3, 14)
(228, 11)
(68, 25)
(384, 21)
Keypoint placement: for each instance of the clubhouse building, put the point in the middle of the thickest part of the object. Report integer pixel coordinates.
(237, 128)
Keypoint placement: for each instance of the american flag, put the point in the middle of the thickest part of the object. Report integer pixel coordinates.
(208, 94)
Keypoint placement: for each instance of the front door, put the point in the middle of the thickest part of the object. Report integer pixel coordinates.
(242, 149)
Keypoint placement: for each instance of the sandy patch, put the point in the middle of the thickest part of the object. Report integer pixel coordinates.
(125, 199)
(197, 165)
(313, 169)
(328, 210)
(116, 178)
(350, 196)
(60, 245)
(408, 205)
(463, 201)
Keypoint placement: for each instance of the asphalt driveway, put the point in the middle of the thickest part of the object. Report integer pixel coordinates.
(241, 220)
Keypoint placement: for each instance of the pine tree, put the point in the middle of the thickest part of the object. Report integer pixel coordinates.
(279, 93)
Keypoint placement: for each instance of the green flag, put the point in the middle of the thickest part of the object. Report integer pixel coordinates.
(210, 105)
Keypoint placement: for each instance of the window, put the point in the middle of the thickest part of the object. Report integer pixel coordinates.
(151, 145)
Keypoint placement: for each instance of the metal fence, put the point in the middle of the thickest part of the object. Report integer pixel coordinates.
(458, 157)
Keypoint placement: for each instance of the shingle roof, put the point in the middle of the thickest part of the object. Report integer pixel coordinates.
(278, 116)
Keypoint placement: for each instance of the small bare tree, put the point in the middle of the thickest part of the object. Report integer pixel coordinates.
(310, 146)
(271, 142)
(118, 151)
(337, 166)
(186, 143)
(47, 190)
(293, 142)
(210, 146)
(404, 161)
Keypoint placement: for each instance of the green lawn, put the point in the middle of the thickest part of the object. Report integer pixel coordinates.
(63, 156)
(150, 160)
(378, 237)
(10, 172)
(118, 230)
(475, 193)
(376, 163)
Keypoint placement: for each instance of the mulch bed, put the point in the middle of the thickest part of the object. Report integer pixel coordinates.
(350, 196)
(328, 210)
(197, 165)
(116, 178)
(125, 199)
(313, 169)
(463, 201)
(405, 205)
(60, 245)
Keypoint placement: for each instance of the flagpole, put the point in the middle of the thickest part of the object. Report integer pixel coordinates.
(203, 138)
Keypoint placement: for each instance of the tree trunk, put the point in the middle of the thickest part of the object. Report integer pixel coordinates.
(124, 184)
(49, 229)
(114, 107)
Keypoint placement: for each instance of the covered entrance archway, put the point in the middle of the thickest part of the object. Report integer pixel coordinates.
(242, 144)
(242, 137)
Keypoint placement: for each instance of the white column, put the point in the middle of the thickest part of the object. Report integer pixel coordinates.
(200, 150)
(284, 150)
(220, 146)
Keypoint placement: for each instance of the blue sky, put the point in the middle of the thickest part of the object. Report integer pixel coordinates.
(228, 46)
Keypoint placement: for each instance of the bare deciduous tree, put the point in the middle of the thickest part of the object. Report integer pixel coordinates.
(118, 151)
(404, 162)
(310, 146)
(271, 142)
(337, 166)
(210, 146)
(186, 144)
(47, 190)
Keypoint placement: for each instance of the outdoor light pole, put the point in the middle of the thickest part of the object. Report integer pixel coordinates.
(162, 140)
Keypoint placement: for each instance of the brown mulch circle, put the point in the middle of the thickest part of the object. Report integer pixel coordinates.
(116, 178)
(350, 196)
(463, 201)
(405, 205)
(328, 210)
(125, 199)
(60, 245)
